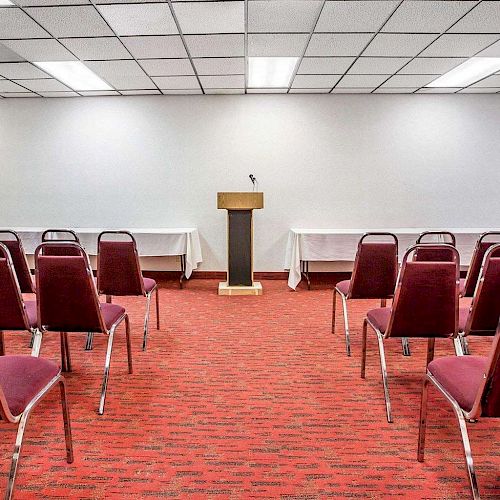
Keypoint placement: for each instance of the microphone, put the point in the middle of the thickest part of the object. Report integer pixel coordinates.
(253, 179)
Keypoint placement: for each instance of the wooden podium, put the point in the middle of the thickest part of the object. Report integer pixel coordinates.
(239, 208)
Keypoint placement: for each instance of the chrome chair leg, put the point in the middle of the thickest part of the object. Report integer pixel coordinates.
(107, 364)
(157, 308)
(346, 325)
(363, 349)
(64, 359)
(129, 344)
(465, 345)
(406, 346)
(67, 421)
(146, 321)
(457, 344)
(385, 381)
(67, 351)
(31, 341)
(37, 337)
(2, 345)
(17, 452)
(334, 309)
(90, 341)
(423, 421)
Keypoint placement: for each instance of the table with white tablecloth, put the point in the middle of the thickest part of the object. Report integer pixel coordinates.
(327, 245)
(151, 242)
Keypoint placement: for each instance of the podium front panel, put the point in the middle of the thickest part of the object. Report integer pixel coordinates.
(240, 248)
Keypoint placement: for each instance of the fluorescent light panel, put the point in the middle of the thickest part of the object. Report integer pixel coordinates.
(472, 70)
(267, 72)
(74, 74)
(5, 2)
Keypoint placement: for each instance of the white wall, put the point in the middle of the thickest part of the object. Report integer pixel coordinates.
(359, 161)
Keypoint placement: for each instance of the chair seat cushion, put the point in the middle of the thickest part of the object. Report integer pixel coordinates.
(463, 314)
(343, 286)
(379, 318)
(22, 378)
(149, 284)
(461, 376)
(31, 312)
(111, 313)
(462, 286)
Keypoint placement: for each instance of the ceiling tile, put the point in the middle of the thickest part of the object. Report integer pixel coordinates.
(364, 81)
(225, 91)
(409, 80)
(14, 23)
(154, 47)
(7, 55)
(96, 48)
(353, 90)
(44, 85)
(340, 44)
(140, 92)
(491, 81)
(485, 18)
(363, 16)
(276, 45)
(167, 67)
(315, 81)
(18, 94)
(211, 17)
(276, 16)
(70, 21)
(58, 94)
(325, 65)
(310, 91)
(216, 45)
(427, 16)
(182, 91)
(99, 92)
(395, 90)
(459, 45)
(438, 90)
(21, 70)
(378, 65)
(431, 65)
(128, 1)
(140, 19)
(267, 91)
(176, 82)
(479, 90)
(6, 86)
(223, 81)
(491, 51)
(401, 45)
(122, 75)
(40, 3)
(40, 50)
(220, 66)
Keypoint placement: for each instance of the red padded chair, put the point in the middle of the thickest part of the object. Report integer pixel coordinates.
(432, 252)
(425, 306)
(471, 384)
(18, 256)
(468, 285)
(54, 249)
(68, 302)
(24, 381)
(373, 276)
(15, 313)
(119, 273)
(481, 317)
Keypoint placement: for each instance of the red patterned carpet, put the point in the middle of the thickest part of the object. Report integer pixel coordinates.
(246, 397)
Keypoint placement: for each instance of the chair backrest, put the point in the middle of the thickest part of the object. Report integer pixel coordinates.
(375, 267)
(18, 256)
(485, 308)
(426, 299)
(13, 314)
(477, 260)
(118, 267)
(432, 252)
(69, 236)
(66, 295)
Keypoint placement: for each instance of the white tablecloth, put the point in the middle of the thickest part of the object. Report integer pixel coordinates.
(150, 242)
(341, 245)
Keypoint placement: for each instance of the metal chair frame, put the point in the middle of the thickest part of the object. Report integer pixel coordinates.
(144, 293)
(424, 234)
(36, 335)
(462, 416)
(345, 298)
(383, 336)
(74, 236)
(23, 253)
(22, 419)
(65, 352)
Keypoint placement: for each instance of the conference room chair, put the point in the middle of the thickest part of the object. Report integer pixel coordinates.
(481, 317)
(24, 382)
(471, 384)
(425, 305)
(67, 301)
(63, 236)
(21, 267)
(485, 241)
(119, 274)
(15, 313)
(373, 277)
(431, 252)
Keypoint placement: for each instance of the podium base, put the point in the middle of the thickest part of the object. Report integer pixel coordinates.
(225, 289)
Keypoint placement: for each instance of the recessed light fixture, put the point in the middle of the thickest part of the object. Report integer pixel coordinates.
(6, 3)
(74, 74)
(270, 71)
(472, 70)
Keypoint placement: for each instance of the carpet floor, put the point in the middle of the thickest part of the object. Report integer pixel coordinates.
(246, 397)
